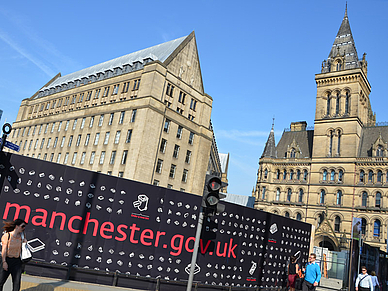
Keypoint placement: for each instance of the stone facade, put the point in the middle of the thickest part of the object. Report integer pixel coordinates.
(144, 116)
(328, 175)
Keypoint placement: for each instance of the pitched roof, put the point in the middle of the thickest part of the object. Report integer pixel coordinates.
(369, 136)
(304, 139)
(270, 147)
(126, 64)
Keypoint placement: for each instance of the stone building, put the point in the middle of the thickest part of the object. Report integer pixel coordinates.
(338, 169)
(143, 116)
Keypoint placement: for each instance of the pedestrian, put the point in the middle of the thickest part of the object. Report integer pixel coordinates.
(293, 270)
(10, 252)
(312, 274)
(375, 281)
(364, 281)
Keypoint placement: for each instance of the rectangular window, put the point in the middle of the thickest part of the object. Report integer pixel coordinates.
(176, 151)
(40, 129)
(48, 142)
(112, 158)
(117, 137)
(125, 87)
(36, 143)
(96, 138)
(45, 130)
(30, 145)
(188, 157)
(75, 123)
(115, 89)
(156, 183)
(106, 91)
(172, 171)
(59, 103)
(163, 145)
(184, 175)
(81, 98)
(193, 104)
(70, 141)
(101, 120)
(66, 158)
(191, 138)
(133, 117)
(33, 133)
(87, 139)
(59, 126)
(167, 125)
(83, 122)
(106, 140)
(159, 166)
(170, 89)
(89, 96)
(42, 143)
(59, 158)
(74, 99)
(91, 121)
(182, 97)
(179, 132)
(67, 125)
(136, 84)
(78, 140)
(121, 174)
(55, 142)
(124, 158)
(53, 127)
(38, 157)
(74, 158)
(25, 144)
(51, 157)
(102, 157)
(121, 119)
(24, 130)
(111, 118)
(92, 156)
(97, 94)
(129, 134)
(109, 173)
(169, 186)
(83, 158)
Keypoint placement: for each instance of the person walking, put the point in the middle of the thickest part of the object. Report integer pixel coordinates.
(293, 270)
(375, 281)
(312, 274)
(364, 281)
(10, 252)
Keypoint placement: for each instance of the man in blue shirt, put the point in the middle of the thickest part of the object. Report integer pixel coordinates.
(312, 274)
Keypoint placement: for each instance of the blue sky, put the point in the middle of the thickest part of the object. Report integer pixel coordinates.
(258, 58)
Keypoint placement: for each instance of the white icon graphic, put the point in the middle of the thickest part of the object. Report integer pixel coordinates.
(197, 269)
(273, 228)
(141, 203)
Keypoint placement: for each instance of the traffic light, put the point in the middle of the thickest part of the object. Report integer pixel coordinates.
(212, 196)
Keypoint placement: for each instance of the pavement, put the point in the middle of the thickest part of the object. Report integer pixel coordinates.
(32, 283)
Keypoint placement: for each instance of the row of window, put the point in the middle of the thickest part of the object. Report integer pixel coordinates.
(62, 143)
(337, 99)
(181, 101)
(332, 175)
(179, 132)
(291, 175)
(175, 153)
(57, 126)
(371, 176)
(173, 169)
(62, 102)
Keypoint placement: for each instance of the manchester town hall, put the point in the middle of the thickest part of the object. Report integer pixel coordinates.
(338, 170)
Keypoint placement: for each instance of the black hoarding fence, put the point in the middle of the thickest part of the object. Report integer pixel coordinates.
(88, 221)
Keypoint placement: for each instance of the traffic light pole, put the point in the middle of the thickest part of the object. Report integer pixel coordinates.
(195, 250)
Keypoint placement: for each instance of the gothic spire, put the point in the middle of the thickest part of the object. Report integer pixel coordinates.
(270, 147)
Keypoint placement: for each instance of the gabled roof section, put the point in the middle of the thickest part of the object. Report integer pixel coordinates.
(369, 137)
(303, 138)
(130, 62)
(270, 147)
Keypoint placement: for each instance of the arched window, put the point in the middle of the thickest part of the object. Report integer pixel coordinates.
(339, 66)
(277, 194)
(339, 197)
(278, 174)
(337, 104)
(340, 175)
(291, 174)
(305, 174)
(292, 153)
(287, 214)
(379, 176)
(298, 174)
(324, 175)
(337, 224)
(289, 192)
(265, 174)
(284, 174)
(363, 226)
(378, 200)
(320, 219)
(275, 212)
(364, 201)
(298, 216)
(362, 176)
(322, 197)
(332, 175)
(263, 192)
(330, 143)
(347, 102)
(339, 143)
(328, 104)
(376, 228)
(379, 151)
(370, 176)
(300, 198)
